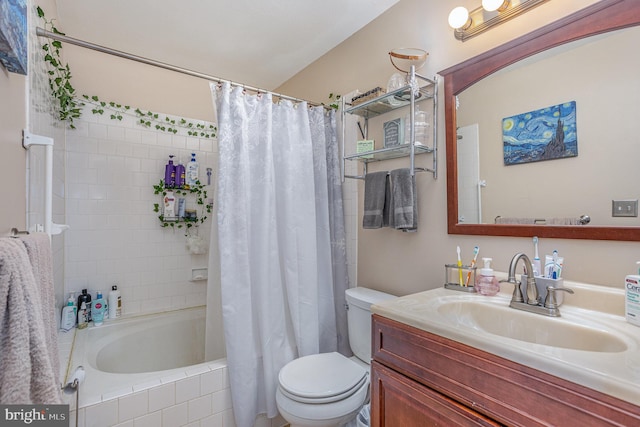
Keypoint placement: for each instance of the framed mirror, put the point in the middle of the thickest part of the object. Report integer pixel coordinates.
(473, 86)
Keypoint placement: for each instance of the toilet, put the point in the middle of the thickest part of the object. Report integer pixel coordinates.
(329, 389)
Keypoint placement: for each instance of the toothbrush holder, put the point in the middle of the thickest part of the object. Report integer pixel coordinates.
(452, 277)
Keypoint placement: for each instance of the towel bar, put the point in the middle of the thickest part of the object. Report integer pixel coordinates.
(15, 232)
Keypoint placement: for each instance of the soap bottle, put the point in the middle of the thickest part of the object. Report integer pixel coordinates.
(83, 316)
(170, 174)
(180, 175)
(192, 171)
(487, 283)
(97, 309)
(68, 319)
(115, 302)
(85, 297)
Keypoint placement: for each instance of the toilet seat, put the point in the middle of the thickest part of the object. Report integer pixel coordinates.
(321, 378)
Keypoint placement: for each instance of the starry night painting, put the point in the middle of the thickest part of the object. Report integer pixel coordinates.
(545, 134)
(13, 35)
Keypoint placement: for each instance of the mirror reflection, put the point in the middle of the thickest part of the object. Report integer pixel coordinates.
(599, 74)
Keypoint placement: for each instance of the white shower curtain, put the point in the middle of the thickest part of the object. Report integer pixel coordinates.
(282, 257)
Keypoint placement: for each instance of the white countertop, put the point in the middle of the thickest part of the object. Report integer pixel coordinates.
(616, 373)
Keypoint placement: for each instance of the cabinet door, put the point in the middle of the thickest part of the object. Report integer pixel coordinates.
(398, 401)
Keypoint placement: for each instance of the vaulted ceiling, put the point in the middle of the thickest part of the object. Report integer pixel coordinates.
(257, 42)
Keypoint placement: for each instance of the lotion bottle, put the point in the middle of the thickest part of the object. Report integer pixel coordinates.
(192, 171)
(68, 319)
(97, 309)
(487, 283)
(115, 303)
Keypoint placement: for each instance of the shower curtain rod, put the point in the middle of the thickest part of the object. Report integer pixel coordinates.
(63, 38)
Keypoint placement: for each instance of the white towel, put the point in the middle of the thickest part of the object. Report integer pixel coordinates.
(27, 372)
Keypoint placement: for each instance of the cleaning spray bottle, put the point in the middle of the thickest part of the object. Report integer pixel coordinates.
(487, 283)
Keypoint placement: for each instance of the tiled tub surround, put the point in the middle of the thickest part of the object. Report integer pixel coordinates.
(115, 235)
(194, 395)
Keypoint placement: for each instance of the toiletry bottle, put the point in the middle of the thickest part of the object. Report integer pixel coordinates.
(97, 309)
(169, 212)
(170, 174)
(192, 171)
(68, 319)
(180, 175)
(83, 316)
(85, 297)
(115, 303)
(632, 298)
(487, 283)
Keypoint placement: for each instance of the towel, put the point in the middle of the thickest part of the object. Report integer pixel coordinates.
(404, 200)
(375, 200)
(27, 371)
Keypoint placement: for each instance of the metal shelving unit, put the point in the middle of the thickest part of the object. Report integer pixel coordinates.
(399, 98)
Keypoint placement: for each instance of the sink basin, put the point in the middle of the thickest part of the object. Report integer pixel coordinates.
(533, 328)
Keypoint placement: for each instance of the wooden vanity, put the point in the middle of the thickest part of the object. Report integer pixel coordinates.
(422, 379)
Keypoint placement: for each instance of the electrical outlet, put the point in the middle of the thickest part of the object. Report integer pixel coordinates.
(624, 208)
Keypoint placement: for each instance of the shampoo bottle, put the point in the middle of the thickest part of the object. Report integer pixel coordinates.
(192, 171)
(180, 175)
(487, 284)
(83, 316)
(85, 297)
(170, 173)
(115, 303)
(97, 309)
(68, 319)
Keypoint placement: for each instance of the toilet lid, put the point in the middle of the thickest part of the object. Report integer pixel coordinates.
(321, 378)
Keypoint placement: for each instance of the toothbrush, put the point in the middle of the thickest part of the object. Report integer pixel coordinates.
(459, 265)
(476, 249)
(554, 270)
(537, 268)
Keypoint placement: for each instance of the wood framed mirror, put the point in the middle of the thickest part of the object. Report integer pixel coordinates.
(602, 17)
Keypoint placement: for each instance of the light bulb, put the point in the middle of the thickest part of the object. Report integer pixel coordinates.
(459, 18)
(492, 5)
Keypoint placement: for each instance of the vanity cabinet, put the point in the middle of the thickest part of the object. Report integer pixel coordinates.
(422, 379)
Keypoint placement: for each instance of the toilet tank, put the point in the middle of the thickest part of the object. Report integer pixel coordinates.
(359, 301)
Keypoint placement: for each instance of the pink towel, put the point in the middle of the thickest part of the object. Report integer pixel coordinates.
(28, 348)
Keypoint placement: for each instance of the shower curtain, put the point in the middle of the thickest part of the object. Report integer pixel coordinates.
(281, 241)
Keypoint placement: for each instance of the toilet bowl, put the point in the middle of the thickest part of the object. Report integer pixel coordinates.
(329, 389)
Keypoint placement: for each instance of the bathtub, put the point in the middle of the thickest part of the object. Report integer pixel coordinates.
(126, 356)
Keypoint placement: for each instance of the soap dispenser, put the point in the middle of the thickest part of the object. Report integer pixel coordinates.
(487, 283)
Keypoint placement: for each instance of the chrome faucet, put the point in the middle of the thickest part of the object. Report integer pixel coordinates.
(532, 302)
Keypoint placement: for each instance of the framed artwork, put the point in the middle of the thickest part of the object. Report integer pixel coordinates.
(545, 134)
(13, 35)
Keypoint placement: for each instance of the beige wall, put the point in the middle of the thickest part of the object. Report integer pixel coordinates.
(13, 155)
(405, 263)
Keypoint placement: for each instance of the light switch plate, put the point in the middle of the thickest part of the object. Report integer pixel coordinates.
(625, 208)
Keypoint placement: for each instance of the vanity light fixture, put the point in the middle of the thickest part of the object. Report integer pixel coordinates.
(492, 12)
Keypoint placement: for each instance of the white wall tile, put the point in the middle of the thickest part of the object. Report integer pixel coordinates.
(153, 419)
(133, 405)
(176, 415)
(200, 408)
(187, 389)
(162, 397)
(102, 415)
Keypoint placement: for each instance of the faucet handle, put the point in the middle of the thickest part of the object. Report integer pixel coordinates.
(517, 292)
(550, 301)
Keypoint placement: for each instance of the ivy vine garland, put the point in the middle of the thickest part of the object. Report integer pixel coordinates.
(69, 107)
(200, 193)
